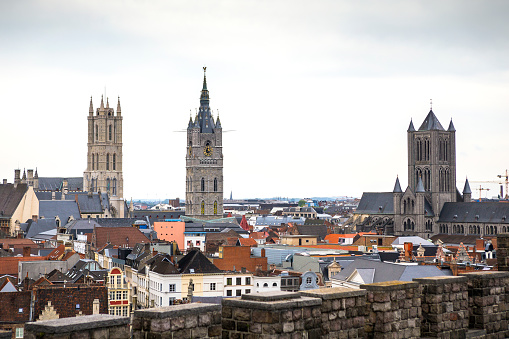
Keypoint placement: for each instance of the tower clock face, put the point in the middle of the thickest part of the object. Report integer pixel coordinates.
(208, 149)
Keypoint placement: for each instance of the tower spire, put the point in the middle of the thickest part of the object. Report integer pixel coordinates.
(102, 102)
(91, 108)
(118, 106)
(107, 103)
(204, 98)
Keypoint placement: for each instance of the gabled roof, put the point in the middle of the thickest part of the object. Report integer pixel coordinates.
(56, 184)
(41, 226)
(161, 264)
(318, 230)
(475, 212)
(61, 208)
(57, 253)
(431, 123)
(10, 197)
(18, 243)
(118, 236)
(376, 203)
(247, 242)
(197, 262)
(56, 276)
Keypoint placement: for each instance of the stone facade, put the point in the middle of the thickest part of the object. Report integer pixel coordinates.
(394, 310)
(104, 156)
(272, 315)
(444, 305)
(343, 312)
(204, 163)
(181, 321)
(488, 302)
(89, 326)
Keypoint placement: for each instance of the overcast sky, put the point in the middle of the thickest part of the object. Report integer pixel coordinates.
(318, 95)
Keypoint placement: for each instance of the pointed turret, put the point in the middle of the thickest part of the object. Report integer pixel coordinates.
(218, 122)
(420, 187)
(118, 107)
(107, 103)
(190, 124)
(102, 103)
(24, 175)
(204, 98)
(36, 175)
(467, 189)
(451, 127)
(411, 127)
(91, 108)
(397, 187)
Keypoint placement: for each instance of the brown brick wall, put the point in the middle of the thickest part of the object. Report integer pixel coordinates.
(238, 257)
(11, 302)
(64, 299)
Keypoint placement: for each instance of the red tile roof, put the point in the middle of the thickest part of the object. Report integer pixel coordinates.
(248, 242)
(9, 265)
(118, 236)
(18, 243)
(57, 253)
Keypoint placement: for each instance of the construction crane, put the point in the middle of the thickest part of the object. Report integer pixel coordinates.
(480, 189)
(506, 177)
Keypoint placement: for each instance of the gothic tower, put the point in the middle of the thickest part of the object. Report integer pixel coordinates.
(432, 157)
(204, 162)
(104, 156)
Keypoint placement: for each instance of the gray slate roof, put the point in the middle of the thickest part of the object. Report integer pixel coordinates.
(319, 230)
(42, 225)
(388, 271)
(55, 184)
(270, 220)
(10, 197)
(219, 227)
(370, 203)
(61, 208)
(475, 212)
(431, 123)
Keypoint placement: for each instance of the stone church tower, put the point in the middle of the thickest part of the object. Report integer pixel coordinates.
(104, 156)
(204, 163)
(431, 178)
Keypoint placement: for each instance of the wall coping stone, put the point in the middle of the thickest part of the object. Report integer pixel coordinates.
(503, 235)
(176, 310)
(485, 275)
(76, 324)
(271, 296)
(273, 305)
(390, 286)
(440, 280)
(335, 293)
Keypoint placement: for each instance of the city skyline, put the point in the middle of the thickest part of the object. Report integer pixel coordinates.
(316, 98)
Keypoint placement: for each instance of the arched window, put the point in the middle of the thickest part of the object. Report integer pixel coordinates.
(114, 186)
(96, 132)
(114, 161)
(97, 161)
(274, 284)
(215, 207)
(108, 162)
(93, 161)
(215, 184)
(203, 184)
(265, 285)
(109, 132)
(418, 149)
(108, 185)
(202, 207)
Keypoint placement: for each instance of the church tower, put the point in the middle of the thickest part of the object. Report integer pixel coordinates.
(104, 156)
(204, 162)
(432, 157)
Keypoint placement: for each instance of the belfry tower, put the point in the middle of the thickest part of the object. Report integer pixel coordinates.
(204, 162)
(104, 156)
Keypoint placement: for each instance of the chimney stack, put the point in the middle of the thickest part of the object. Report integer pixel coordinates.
(4, 181)
(26, 251)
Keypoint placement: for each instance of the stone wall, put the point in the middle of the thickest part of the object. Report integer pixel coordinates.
(488, 302)
(179, 321)
(84, 327)
(272, 315)
(393, 310)
(503, 252)
(343, 312)
(444, 303)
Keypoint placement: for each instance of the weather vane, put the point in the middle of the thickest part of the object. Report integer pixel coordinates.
(204, 68)
(430, 104)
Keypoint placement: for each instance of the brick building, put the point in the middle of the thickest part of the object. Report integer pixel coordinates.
(234, 258)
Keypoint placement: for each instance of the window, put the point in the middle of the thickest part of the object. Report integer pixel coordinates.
(93, 161)
(20, 332)
(114, 186)
(215, 184)
(108, 162)
(119, 295)
(203, 207)
(238, 293)
(109, 132)
(124, 295)
(309, 280)
(215, 207)
(248, 281)
(114, 161)
(171, 301)
(203, 184)
(265, 285)
(112, 295)
(248, 291)
(228, 281)
(97, 161)
(212, 286)
(239, 281)
(124, 311)
(228, 293)
(77, 306)
(283, 282)
(112, 311)
(96, 132)
(274, 284)
(172, 288)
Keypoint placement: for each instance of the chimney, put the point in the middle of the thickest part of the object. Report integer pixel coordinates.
(26, 251)
(30, 177)
(34, 218)
(4, 181)
(95, 306)
(17, 177)
(409, 247)
(262, 254)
